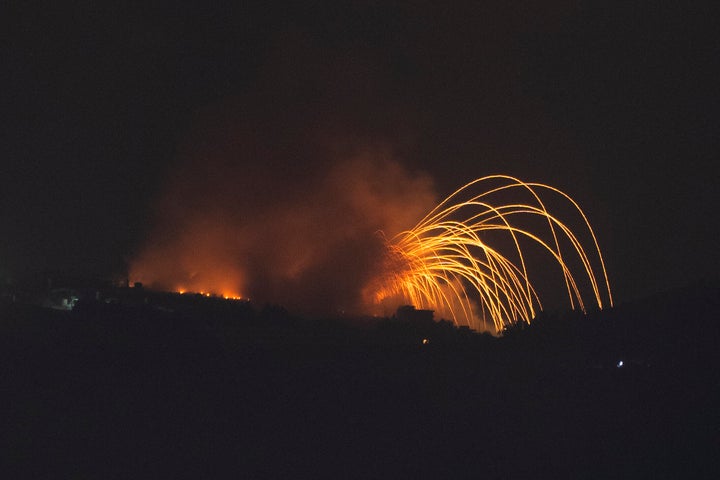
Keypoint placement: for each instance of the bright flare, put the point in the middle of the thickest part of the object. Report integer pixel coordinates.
(445, 264)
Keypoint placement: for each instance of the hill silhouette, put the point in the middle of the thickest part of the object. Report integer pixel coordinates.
(226, 388)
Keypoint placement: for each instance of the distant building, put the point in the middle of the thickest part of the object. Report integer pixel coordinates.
(408, 313)
(61, 299)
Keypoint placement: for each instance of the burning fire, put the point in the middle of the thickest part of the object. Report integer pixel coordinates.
(225, 295)
(307, 243)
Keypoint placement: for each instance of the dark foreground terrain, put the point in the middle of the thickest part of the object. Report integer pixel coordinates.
(110, 391)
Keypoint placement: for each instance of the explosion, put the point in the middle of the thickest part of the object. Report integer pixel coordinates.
(292, 216)
(447, 262)
(334, 240)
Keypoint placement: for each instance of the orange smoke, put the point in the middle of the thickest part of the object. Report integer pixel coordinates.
(304, 235)
(191, 261)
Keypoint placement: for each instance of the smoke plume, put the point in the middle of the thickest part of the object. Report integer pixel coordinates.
(291, 221)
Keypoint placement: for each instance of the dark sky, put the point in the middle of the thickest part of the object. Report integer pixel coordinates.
(613, 102)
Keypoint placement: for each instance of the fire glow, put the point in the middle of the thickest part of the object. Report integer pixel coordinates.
(304, 241)
(224, 296)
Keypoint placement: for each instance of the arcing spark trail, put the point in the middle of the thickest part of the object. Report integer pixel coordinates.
(445, 264)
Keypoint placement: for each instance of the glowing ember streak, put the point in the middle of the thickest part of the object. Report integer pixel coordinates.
(445, 264)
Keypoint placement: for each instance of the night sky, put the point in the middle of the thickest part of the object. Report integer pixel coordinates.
(108, 112)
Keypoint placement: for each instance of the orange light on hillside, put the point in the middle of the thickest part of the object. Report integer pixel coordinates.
(228, 295)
